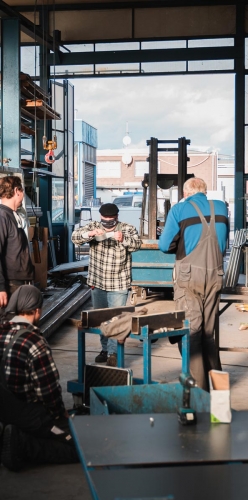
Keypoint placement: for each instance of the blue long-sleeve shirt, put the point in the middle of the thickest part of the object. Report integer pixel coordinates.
(183, 227)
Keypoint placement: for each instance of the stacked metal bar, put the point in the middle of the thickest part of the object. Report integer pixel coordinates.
(233, 267)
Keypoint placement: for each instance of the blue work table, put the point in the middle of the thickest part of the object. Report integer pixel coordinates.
(142, 329)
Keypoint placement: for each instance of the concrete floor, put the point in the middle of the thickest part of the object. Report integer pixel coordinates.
(68, 482)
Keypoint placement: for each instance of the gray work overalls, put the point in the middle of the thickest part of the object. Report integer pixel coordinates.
(198, 281)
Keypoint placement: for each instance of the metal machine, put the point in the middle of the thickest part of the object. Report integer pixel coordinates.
(151, 268)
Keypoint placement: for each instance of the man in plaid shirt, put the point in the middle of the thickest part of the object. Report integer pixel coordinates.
(31, 406)
(111, 245)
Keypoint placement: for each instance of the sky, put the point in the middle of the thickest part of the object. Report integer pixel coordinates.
(198, 107)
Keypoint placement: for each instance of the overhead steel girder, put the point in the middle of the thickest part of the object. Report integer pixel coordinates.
(28, 27)
(132, 4)
(130, 56)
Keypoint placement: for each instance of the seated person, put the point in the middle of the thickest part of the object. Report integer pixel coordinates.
(34, 421)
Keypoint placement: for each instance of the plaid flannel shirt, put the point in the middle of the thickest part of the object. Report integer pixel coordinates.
(30, 370)
(109, 260)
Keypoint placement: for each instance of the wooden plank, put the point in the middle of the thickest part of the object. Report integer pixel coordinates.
(30, 164)
(42, 109)
(28, 84)
(150, 245)
(95, 317)
(158, 320)
(27, 130)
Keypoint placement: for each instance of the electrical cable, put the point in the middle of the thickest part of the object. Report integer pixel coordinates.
(189, 166)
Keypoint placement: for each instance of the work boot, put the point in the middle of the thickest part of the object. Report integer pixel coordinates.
(102, 357)
(112, 359)
(11, 450)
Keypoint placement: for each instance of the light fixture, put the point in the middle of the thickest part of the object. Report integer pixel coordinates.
(127, 158)
(126, 140)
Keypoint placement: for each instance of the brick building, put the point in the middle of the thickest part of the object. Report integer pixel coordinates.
(116, 177)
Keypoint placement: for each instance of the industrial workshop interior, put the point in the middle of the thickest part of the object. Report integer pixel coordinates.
(143, 430)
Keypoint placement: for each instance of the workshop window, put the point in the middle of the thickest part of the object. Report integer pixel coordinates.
(142, 167)
(108, 169)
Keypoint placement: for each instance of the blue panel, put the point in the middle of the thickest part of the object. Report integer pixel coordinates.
(153, 256)
(151, 267)
(85, 133)
(89, 134)
(149, 398)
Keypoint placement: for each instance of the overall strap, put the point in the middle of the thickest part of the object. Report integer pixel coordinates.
(211, 226)
(6, 351)
(212, 213)
(203, 220)
(212, 219)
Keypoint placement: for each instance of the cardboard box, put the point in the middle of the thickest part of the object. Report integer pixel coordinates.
(220, 400)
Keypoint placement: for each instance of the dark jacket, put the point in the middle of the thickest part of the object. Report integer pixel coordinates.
(15, 261)
(30, 371)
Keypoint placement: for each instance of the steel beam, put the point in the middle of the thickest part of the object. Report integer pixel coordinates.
(240, 120)
(152, 195)
(132, 56)
(11, 125)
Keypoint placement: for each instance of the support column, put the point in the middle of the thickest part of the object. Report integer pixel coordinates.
(239, 222)
(152, 196)
(44, 183)
(11, 120)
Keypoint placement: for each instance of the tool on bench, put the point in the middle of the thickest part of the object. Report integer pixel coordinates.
(186, 415)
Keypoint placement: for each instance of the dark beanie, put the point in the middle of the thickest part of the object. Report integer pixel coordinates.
(25, 298)
(109, 210)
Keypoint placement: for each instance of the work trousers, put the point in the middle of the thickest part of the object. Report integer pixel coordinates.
(43, 438)
(197, 285)
(201, 312)
(102, 299)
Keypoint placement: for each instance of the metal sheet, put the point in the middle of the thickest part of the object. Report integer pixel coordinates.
(204, 482)
(131, 439)
(149, 398)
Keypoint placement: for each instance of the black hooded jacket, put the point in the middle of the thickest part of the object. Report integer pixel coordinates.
(15, 261)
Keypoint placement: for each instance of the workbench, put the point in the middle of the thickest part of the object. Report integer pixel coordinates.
(142, 328)
(197, 482)
(146, 456)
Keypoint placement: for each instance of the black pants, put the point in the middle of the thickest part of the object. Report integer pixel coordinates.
(43, 439)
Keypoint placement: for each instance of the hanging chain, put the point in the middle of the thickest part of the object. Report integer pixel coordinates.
(54, 47)
(35, 112)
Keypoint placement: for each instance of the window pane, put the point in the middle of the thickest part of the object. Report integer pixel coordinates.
(28, 60)
(163, 67)
(108, 169)
(102, 47)
(211, 42)
(58, 165)
(141, 168)
(211, 65)
(57, 200)
(119, 68)
(164, 44)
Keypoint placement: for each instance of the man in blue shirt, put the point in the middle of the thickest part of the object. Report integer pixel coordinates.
(196, 231)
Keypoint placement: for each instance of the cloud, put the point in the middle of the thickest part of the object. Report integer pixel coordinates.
(199, 107)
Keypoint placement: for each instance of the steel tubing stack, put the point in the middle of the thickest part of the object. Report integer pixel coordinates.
(233, 268)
